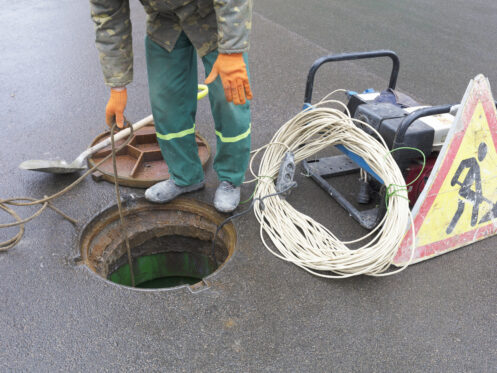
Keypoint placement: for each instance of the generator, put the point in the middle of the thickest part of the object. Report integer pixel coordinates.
(414, 133)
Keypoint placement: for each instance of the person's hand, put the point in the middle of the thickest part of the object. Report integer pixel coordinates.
(231, 68)
(114, 111)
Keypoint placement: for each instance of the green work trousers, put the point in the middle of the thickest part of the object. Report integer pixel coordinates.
(172, 80)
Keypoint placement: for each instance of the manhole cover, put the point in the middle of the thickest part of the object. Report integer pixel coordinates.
(171, 244)
(140, 163)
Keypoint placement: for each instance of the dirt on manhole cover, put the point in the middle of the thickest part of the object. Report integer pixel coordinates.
(171, 244)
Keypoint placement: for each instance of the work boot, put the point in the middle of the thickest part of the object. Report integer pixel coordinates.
(166, 191)
(227, 197)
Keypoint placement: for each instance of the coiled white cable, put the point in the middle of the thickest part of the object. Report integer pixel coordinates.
(299, 239)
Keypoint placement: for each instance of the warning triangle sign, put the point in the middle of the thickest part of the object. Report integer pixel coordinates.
(458, 205)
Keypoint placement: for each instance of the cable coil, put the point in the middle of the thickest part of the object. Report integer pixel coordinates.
(299, 239)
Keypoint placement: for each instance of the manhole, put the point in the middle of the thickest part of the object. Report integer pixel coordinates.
(171, 244)
(140, 163)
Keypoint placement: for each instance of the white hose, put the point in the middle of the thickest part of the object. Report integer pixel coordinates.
(299, 239)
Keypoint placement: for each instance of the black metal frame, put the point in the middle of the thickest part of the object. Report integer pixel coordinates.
(317, 170)
(350, 57)
(341, 165)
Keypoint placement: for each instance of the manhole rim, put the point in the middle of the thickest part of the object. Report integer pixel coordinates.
(181, 202)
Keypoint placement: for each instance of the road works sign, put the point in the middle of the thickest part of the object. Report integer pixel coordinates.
(458, 205)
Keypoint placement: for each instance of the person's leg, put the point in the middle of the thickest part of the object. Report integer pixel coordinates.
(172, 79)
(457, 215)
(232, 123)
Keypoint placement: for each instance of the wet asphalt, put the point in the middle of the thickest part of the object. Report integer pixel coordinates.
(260, 314)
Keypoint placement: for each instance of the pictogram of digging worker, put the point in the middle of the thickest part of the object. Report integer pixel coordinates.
(178, 30)
(466, 193)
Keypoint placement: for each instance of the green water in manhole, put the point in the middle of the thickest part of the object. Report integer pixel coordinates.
(165, 270)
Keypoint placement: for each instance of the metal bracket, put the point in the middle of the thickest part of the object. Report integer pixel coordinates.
(286, 174)
(337, 166)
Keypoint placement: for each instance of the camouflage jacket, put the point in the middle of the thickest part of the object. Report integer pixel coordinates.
(209, 24)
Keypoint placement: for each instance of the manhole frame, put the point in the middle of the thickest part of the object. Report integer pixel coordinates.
(131, 204)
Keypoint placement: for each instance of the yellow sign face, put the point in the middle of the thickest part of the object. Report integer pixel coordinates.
(469, 191)
(459, 203)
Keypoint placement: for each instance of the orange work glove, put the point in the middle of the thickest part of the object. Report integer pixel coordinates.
(233, 72)
(115, 107)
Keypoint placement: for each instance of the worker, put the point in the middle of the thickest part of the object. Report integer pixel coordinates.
(178, 30)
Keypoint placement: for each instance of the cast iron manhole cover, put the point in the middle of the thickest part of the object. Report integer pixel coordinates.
(140, 163)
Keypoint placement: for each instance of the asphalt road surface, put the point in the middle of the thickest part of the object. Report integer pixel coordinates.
(260, 313)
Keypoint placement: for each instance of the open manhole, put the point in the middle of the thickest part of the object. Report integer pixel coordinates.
(171, 244)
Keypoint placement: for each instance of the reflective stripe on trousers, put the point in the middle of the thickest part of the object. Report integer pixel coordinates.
(173, 83)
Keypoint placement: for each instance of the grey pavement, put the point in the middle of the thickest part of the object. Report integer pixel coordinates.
(260, 314)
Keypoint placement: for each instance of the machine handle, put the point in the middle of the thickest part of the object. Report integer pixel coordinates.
(415, 115)
(412, 117)
(399, 139)
(349, 57)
